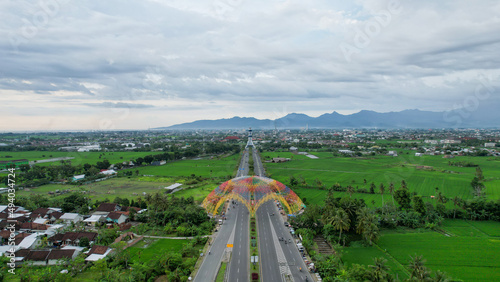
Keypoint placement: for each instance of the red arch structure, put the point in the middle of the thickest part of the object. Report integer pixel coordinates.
(252, 191)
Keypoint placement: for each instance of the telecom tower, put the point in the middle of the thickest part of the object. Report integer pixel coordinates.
(249, 143)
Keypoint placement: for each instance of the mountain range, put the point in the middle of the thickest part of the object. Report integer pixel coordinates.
(362, 119)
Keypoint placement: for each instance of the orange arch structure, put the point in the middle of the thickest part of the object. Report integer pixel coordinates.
(252, 191)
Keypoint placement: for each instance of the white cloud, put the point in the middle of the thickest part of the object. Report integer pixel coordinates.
(199, 61)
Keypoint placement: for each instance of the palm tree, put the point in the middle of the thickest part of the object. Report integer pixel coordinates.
(371, 233)
(367, 225)
(441, 277)
(456, 200)
(382, 190)
(362, 218)
(350, 190)
(340, 221)
(379, 269)
(391, 190)
(418, 270)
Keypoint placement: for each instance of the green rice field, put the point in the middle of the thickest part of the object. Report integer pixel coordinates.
(452, 181)
(470, 254)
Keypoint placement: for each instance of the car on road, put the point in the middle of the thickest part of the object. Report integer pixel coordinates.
(286, 224)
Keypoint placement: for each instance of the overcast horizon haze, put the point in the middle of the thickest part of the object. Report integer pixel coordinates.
(100, 65)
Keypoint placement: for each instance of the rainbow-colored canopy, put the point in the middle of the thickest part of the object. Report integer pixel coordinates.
(252, 191)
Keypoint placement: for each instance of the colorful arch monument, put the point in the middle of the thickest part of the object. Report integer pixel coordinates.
(252, 191)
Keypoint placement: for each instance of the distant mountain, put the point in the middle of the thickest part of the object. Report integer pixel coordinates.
(362, 119)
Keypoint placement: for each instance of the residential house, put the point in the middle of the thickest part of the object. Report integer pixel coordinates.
(56, 255)
(78, 177)
(37, 257)
(53, 217)
(95, 219)
(40, 213)
(116, 217)
(32, 227)
(71, 217)
(108, 172)
(98, 252)
(106, 208)
(72, 238)
(41, 220)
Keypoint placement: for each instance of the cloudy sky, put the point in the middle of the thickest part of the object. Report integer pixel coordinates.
(127, 64)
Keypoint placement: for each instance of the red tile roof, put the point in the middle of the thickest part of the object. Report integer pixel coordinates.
(100, 250)
(107, 207)
(37, 255)
(60, 254)
(114, 215)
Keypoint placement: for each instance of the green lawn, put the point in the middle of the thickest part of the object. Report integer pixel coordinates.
(166, 175)
(111, 188)
(144, 252)
(202, 167)
(466, 257)
(221, 273)
(79, 158)
(198, 193)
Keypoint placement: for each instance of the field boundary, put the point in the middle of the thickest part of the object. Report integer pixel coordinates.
(477, 229)
(393, 260)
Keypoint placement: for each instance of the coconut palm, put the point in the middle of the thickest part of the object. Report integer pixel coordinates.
(371, 233)
(456, 201)
(391, 190)
(363, 216)
(382, 190)
(379, 269)
(441, 277)
(350, 190)
(417, 268)
(340, 221)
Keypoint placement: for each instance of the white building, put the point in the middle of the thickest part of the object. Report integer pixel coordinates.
(93, 220)
(71, 217)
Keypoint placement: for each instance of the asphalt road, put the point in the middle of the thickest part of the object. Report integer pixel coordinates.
(268, 258)
(240, 259)
(276, 258)
(211, 263)
(270, 254)
(258, 168)
(243, 167)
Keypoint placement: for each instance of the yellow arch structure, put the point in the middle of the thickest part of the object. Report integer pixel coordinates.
(252, 191)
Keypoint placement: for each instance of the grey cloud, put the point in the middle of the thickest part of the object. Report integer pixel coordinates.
(148, 51)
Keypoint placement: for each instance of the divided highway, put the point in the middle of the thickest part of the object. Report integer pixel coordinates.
(243, 167)
(211, 263)
(240, 260)
(278, 261)
(258, 168)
